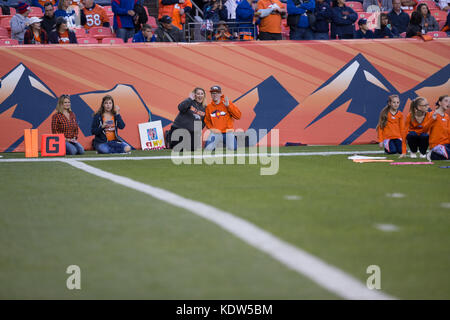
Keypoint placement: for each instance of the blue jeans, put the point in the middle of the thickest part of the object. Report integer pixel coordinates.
(392, 146)
(74, 148)
(216, 139)
(125, 33)
(111, 147)
(417, 141)
(300, 34)
(321, 36)
(440, 152)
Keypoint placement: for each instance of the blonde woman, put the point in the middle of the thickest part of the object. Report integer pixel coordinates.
(65, 122)
(191, 110)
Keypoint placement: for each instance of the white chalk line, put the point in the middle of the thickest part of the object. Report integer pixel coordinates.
(286, 154)
(323, 274)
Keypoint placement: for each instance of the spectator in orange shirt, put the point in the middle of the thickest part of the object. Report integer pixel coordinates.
(271, 13)
(93, 15)
(417, 126)
(440, 131)
(391, 127)
(222, 33)
(62, 34)
(219, 118)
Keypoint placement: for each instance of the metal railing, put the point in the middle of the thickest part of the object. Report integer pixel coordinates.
(203, 31)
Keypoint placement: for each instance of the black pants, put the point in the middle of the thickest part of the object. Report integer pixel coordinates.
(417, 141)
(269, 36)
(173, 143)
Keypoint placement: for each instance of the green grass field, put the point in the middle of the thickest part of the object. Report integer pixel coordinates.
(132, 246)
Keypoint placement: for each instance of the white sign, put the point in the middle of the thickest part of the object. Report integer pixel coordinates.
(151, 134)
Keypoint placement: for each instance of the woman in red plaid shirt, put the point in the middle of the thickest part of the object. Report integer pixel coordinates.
(65, 122)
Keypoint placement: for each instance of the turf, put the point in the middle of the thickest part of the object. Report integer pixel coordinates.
(129, 245)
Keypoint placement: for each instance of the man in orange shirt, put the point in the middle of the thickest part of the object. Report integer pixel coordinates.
(271, 13)
(93, 15)
(219, 118)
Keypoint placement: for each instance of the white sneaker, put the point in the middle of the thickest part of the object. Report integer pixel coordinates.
(429, 156)
(412, 154)
(423, 156)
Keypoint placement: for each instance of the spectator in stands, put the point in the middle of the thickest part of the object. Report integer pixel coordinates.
(62, 34)
(65, 122)
(385, 30)
(123, 18)
(191, 113)
(219, 118)
(41, 3)
(140, 18)
(93, 15)
(414, 28)
(179, 14)
(323, 18)
(48, 22)
(222, 32)
(167, 7)
(145, 35)
(399, 19)
(35, 34)
(216, 11)
(298, 19)
(244, 17)
(374, 5)
(271, 13)
(443, 4)
(66, 11)
(107, 120)
(446, 27)
(20, 22)
(167, 32)
(5, 9)
(428, 22)
(364, 32)
(343, 20)
(408, 4)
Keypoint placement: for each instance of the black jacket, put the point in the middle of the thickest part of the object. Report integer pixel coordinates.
(53, 37)
(172, 35)
(48, 24)
(186, 117)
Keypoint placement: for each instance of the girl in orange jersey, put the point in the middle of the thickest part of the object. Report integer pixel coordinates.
(440, 131)
(417, 126)
(391, 127)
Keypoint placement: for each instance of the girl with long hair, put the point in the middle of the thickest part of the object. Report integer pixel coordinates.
(440, 131)
(64, 121)
(417, 126)
(104, 126)
(391, 127)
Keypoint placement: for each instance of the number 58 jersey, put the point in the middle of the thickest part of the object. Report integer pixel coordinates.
(95, 16)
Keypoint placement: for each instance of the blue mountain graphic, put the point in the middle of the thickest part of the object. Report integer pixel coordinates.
(274, 103)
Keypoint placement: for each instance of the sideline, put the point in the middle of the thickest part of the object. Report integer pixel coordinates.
(325, 275)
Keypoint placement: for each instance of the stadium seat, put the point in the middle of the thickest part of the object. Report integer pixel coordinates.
(439, 15)
(146, 10)
(8, 42)
(403, 35)
(35, 12)
(356, 6)
(371, 17)
(5, 23)
(441, 24)
(430, 3)
(437, 34)
(87, 41)
(100, 33)
(4, 34)
(81, 32)
(152, 22)
(112, 41)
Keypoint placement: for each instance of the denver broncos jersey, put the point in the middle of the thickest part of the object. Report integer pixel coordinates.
(219, 117)
(95, 16)
(440, 130)
(419, 128)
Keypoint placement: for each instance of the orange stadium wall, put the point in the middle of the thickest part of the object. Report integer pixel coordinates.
(316, 92)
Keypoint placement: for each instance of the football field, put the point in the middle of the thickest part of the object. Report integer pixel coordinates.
(151, 229)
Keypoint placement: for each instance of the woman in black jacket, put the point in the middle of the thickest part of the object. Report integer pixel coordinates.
(190, 117)
(62, 34)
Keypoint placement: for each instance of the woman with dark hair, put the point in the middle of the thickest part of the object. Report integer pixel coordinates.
(428, 22)
(385, 30)
(440, 131)
(191, 111)
(65, 122)
(104, 126)
(417, 126)
(414, 29)
(343, 19)
(62, 34)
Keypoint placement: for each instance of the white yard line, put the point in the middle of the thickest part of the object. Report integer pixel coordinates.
(325, 275)
(286, 154)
